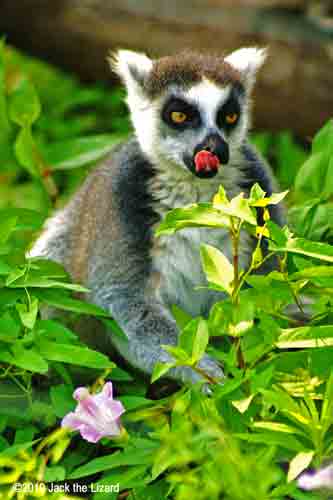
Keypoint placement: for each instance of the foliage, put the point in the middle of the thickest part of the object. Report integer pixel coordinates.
(73, 126)
(249, 437)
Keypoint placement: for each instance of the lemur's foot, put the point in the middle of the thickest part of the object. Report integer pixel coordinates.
(207, 366)
(210, 367)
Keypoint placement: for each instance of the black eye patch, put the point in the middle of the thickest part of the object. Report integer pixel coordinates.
(228, 115)
(178, 106)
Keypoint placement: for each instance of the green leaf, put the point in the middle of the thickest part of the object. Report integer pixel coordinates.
(242, 405)
(181, 317)
(7, 226)
(176, 352)
(284, 440)
(133, 456)
(14, 450)
(120, 375)
(62, 399)
(9, 327)
(29, 280)
(77, 152)
(10, 297)
(229, 386)
(15, 275)
(328, 188)
(25, 151)
(289, 157)
(220, 198)
(313, 272)
(256, 193)
(258, 197)
(239, 207)
(28, 313)
(27, 220)
(54, 473)
(218, 270)
(54, 331)
(200, 340)
(326, 415)
(126, 478)
(194, 339)
(201, 215)
(58, 299)
(4, 123)
(321, 251)
(160, 369)
(68, 353)
(5, 269)
(310, 177)
(47, 268)
(305, 337)
(277, 427)
(319, 360)
(299, 463)
(278, 235)
(133, 402)
(262, 379)
(324, 138)
(25, 435)
(24, 104)
(28, 359)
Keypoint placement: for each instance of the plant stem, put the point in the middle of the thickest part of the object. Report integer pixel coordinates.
(237, 284)
(235, 232)
(211, 380)
(240, 358)
(282, 263)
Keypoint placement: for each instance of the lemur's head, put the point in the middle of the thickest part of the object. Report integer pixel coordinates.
(190, 111)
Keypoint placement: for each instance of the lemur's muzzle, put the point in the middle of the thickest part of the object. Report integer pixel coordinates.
(209, 155)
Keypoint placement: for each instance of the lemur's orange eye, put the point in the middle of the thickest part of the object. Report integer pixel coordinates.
(178, 117)
(232, 118)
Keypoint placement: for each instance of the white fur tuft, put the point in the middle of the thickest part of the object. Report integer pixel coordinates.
(247, 61)
(132, 67)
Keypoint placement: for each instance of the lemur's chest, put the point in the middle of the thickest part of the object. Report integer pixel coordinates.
(176, 258)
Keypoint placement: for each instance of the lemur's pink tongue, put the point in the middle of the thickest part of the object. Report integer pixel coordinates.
(205, 161)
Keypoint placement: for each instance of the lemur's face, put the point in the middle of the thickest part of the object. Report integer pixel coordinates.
(190, 112)
(201, 128)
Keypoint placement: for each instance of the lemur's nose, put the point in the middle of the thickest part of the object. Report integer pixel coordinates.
(215, 144)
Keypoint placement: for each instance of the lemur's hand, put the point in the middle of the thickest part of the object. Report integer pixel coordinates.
(147, 330)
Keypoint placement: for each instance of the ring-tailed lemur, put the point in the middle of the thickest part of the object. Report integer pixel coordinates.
(180, 106)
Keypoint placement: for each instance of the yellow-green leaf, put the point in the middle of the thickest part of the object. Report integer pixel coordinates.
(299, 463)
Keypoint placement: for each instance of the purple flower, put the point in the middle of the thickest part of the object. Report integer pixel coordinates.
(322, 478)
(96, 415)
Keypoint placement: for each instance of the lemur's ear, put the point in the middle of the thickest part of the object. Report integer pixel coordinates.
(247, 61)
(132, 67)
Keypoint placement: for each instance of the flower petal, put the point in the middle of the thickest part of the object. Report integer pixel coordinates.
(116, 408)
(107, 390)
(80, 393)
(86, 402)
(321, 479)
(90, 434)
(72, 421)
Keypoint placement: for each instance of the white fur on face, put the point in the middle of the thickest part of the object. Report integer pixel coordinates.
(166, 147)
(208, 97)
